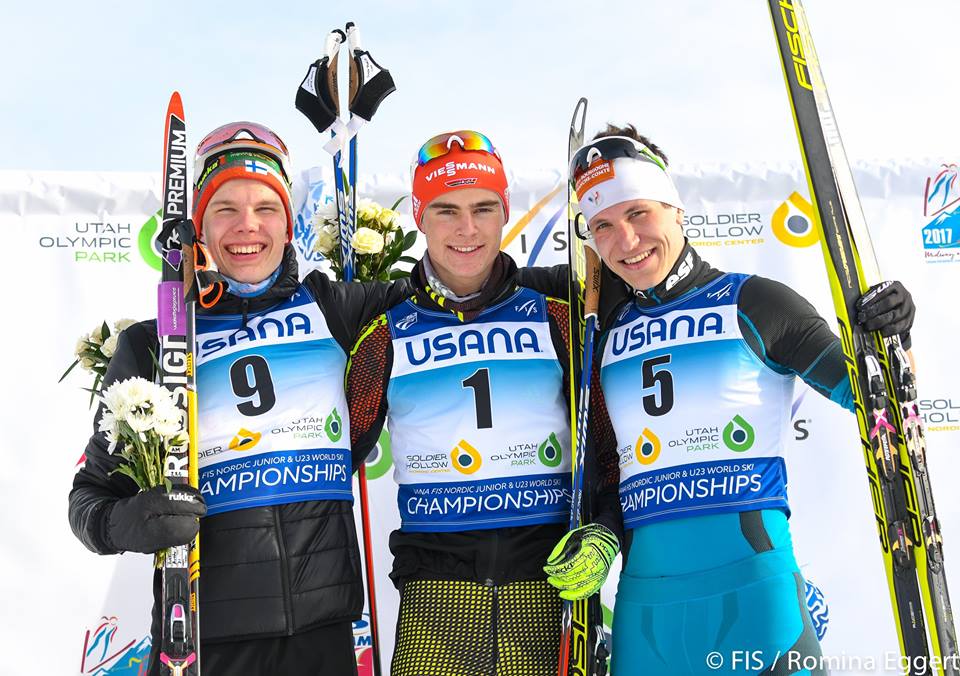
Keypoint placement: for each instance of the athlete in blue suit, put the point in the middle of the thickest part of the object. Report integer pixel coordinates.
(697, 369)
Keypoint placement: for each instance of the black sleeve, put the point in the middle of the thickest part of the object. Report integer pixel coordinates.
(349, 306)
(368, 374)
(601, 462)
(786, 332)
(606, 460)
(553, 281)
(94, 487)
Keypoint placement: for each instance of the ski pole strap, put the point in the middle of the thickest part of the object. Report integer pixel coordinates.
(317, 94)
(374, 84)
(313, 98)
(340, 138)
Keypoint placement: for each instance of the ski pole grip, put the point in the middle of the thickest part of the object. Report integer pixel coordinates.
(353, 37)
(334, 40)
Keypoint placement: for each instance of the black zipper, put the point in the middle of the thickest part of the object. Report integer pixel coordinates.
(491, 571)
(244, 306)
(494, 626)
(284, 577)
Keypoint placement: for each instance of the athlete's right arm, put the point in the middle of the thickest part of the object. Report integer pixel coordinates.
(95, 489)
(368, 374)
(108, 512)
(349, 306)
(551, 281)
(788, 334)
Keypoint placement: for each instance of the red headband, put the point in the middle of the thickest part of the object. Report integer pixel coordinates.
(456, 170)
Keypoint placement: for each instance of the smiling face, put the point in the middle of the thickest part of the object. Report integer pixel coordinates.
(463, 229)
(245, 230)
(639, 240)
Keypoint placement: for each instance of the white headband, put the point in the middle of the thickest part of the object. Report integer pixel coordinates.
(606, 183)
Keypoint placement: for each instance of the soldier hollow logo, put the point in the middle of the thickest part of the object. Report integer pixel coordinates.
(647, 447)
(941, 414)
(108, 651)
(465, 458)
(794, 222)
(941, 234)
(724, 229)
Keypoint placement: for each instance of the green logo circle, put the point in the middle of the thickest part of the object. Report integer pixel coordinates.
(550, 451)
(738, 435)
(380, 459)
(145, 241)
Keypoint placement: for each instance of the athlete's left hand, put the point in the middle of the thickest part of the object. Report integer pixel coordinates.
(580, 562)
(887, 307)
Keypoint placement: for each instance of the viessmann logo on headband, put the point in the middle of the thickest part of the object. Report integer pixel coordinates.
(451, 168)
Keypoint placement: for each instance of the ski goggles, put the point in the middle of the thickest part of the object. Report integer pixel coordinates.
(441, 145)
(610, 148)
(243, 135)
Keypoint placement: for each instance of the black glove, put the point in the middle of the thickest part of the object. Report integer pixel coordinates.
(154, 520)
(887, 307)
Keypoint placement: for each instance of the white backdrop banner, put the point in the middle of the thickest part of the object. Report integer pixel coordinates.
(82, 245)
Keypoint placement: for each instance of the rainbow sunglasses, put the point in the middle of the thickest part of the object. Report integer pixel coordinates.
(441, 145)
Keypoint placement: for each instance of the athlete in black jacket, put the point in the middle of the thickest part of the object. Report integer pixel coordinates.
(281, 579)
(471, 373)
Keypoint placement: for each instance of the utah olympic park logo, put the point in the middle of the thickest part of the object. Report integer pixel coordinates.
(109, 241)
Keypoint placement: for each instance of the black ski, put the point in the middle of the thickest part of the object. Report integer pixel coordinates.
(179, 648)
(582, 642)
(881, 378)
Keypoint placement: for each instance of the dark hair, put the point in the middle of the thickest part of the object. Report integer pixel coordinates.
(631, 132)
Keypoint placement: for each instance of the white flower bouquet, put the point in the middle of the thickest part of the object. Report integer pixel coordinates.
(94, 351)
(142, 422)
(378, 242)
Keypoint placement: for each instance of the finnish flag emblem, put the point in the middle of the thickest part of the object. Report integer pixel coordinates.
(255, 167)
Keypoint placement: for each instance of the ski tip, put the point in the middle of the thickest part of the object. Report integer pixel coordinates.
(340, 33)
(350, 25)
(175, 107)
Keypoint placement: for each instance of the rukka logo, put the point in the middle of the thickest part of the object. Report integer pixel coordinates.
(738, 435)
(794, 222)
(465, 458)
(647, 447)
